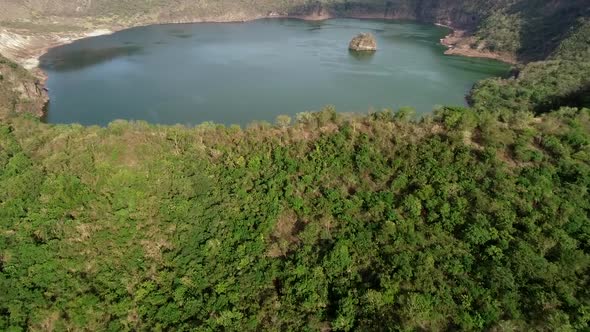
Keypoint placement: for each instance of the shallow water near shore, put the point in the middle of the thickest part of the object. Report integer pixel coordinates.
(236, 73)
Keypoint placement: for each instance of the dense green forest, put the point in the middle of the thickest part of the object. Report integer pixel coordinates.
(458, 221)
(563, 79)
(467, 219)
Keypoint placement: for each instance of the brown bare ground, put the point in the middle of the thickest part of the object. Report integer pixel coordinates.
(460, 43)
(284, 233)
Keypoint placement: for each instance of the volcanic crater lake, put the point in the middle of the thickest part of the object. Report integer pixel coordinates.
(236, 73)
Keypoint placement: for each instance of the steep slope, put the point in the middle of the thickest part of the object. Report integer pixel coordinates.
(539, 87)
(20, 90)
(460, 222)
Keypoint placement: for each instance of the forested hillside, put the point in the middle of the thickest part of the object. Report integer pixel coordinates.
(539, 87)
(460, 221)
(469, 219)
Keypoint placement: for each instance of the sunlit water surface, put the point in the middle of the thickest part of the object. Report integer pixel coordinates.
(240, 72)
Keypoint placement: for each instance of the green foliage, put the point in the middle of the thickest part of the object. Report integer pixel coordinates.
(457, 118)
(501, 32)
(469, 219)
(283, 121)
(539, 87)
(405, 114)
(374, 223)
(576, 46)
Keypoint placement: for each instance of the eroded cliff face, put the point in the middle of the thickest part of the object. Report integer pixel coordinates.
(21, 91)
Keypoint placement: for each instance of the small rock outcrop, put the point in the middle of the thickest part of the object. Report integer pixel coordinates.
(364, 42)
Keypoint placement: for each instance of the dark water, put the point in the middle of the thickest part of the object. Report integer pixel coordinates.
(237, 73)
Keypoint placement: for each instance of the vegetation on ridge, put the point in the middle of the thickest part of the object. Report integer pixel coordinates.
(468, 219)
(539, 87)
(461, 221)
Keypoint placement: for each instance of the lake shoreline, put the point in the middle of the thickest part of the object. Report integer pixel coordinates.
(27, 50)
(458, 42)
(202, 71)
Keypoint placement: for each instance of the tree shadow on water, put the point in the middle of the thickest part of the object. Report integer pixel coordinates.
(70, 60)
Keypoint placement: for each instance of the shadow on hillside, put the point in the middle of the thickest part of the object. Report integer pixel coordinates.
(579, 98)
(546, 24)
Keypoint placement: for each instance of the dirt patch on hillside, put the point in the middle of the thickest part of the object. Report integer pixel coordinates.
(461, 43)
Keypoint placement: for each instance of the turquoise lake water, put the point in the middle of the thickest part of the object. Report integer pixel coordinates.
(236, 73)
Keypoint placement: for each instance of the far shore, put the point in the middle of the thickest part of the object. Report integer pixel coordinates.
(26, 48)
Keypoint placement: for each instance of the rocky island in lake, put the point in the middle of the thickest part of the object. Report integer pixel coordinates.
(364, 42)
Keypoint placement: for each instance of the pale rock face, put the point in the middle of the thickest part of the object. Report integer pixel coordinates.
(364, 42)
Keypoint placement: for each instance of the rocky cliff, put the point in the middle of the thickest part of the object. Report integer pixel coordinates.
(20, 90)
